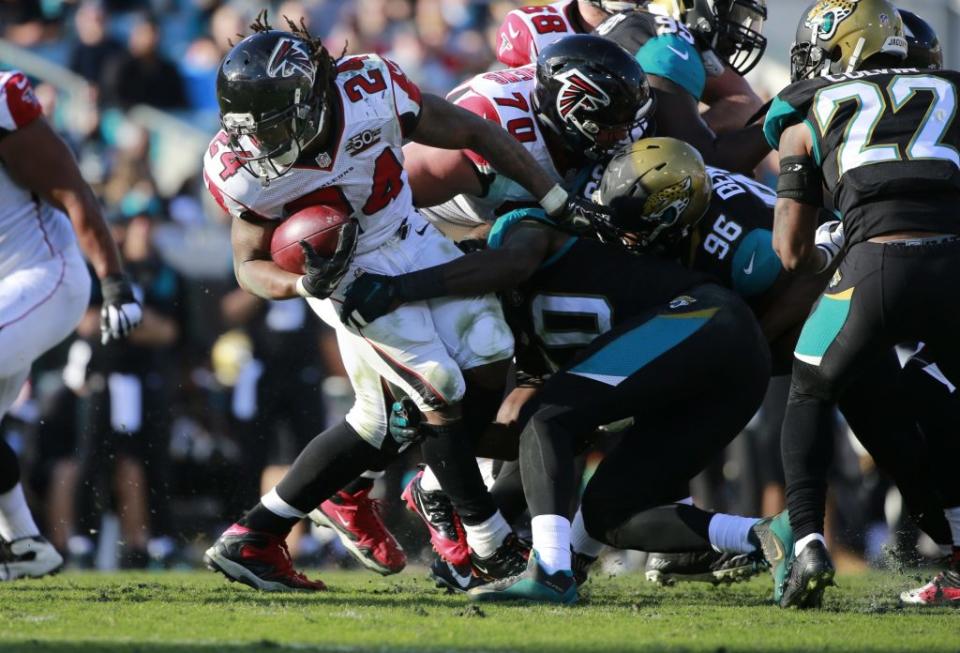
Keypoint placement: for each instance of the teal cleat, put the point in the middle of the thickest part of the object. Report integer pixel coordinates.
(533, 584)
(776, 541)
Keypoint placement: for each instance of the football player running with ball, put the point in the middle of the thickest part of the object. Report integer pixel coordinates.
(883, 139)
(300, 129)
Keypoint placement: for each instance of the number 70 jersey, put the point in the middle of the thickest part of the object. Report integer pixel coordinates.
(362, 174)
(887, 142)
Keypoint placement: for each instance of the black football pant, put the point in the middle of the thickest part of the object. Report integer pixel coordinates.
(883, 294)
(691, 375)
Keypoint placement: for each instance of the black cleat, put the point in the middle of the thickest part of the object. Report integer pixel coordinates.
(453, 578)
(510, 559)
(581, 563)
(667, 569)
(810, 574)
(260, 560)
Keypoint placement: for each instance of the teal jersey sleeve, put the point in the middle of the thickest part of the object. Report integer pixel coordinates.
(790, 107)
(755, 266)
(503, 224)
(671, 57)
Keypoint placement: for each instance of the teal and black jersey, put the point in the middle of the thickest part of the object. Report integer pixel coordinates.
(887, 142)
(663, 46)
(580, 293)
(733, 242)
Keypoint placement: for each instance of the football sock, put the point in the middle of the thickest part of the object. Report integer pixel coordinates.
(953, 518)
(580, 539)
(15, 518)
(272, 502)
(731, 533)
(448, 452)
(551, 541)
(262, 519)
(802, 543)
(486, 537)
(9, 466)
(429, 482)
(329, 462)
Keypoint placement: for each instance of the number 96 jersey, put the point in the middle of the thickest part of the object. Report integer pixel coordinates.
(887, 142)
(362, 174)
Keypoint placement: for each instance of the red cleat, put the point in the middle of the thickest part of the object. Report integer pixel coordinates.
(356, 520)
(944, 589)
(260, 560)
(443, 522)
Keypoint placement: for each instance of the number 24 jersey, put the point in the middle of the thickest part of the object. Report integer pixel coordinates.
(887, 142)
(363, 176)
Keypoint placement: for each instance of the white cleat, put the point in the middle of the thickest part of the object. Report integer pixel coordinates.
(28, 557)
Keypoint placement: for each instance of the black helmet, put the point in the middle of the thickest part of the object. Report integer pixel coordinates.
(591, 93)
(271, 93)
(923, 45)
(731, 28)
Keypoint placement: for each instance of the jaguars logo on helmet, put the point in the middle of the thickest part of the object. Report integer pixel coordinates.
(659, 188)
(838, 36)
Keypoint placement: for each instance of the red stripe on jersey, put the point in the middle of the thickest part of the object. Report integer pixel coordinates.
(220, 198)
(351, 64)
(21, 101)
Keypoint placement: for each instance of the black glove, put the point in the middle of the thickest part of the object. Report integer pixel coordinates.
(581, 216)
(405, 419)
(121, 312)
(375, 295)
(323, 275)
(370, 295)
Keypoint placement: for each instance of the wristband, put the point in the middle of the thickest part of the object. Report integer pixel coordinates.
(555, 200)
(422, 284)
(302, 290)
(828, 255)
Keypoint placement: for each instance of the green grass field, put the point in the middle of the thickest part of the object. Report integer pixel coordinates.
(201, 613)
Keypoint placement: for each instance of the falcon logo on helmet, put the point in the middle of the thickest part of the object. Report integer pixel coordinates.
(289, 57)
(578, 91)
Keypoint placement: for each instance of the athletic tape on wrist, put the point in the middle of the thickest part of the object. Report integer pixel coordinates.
(302, 290)
(554, 201)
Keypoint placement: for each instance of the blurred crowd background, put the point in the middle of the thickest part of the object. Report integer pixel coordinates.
(138, 453)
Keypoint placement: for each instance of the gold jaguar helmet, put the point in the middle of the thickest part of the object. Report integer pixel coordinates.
(839, 36)
(659, 189)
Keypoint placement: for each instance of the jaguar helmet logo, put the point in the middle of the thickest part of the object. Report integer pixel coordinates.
(577, 91)
(667, 205)
(827, 16)
(289, 57)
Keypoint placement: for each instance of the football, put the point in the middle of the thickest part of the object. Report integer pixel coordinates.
(319, 225)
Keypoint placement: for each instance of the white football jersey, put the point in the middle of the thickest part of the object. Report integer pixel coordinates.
(30, 229)
(362, 174)
(526, 31)
(506, 98)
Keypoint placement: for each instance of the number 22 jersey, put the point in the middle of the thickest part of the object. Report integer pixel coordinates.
(887, 143)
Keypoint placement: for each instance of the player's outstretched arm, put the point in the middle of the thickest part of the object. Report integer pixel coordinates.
(678, 116)
(447, 126)
(799, 200)
(528, 244)
(41, 162)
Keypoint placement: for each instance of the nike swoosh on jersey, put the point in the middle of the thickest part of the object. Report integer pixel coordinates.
(423, 229)
(682, 55)
(748, 269)
(513, 31)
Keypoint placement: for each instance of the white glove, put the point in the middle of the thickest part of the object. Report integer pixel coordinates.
(829, 239)
(121, 312)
